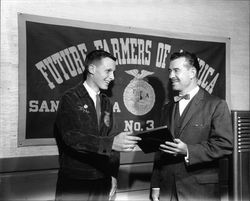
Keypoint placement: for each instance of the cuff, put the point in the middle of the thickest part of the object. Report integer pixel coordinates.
(105, 146)
(187, 158)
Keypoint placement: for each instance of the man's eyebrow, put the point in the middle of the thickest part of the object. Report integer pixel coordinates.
(177, 67)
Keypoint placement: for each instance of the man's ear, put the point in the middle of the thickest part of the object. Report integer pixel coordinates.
(193, 72)
(92, 68)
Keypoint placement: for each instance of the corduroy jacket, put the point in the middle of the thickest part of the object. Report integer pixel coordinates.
(85, 151)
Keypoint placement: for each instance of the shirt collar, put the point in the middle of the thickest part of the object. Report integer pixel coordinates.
(91, 92)
(193, 92)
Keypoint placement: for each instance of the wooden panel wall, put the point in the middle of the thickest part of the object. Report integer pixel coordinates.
(34, 178)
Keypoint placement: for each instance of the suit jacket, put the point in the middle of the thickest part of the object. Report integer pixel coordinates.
(207, 130)
(85, 152)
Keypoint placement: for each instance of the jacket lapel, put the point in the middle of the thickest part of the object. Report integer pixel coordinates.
(192, 109)
(172, 124)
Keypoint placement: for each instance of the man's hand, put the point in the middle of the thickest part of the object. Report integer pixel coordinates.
(175, 148)
(125, 141)
(155, 194)
(113, 188)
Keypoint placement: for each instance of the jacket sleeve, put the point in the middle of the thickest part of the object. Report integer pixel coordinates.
(70, 122)
(220, 140)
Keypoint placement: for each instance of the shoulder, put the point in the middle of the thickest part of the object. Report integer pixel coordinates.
(76, 92)
(78, 89)
(214, 102)
(212, 98)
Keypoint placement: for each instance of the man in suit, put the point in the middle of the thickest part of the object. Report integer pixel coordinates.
(88, 155)
(188, 168)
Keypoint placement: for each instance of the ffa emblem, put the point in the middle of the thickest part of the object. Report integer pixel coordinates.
(84, 108)
(139, 96)
(106, 118)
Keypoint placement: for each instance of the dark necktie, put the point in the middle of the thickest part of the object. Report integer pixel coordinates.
(178, 98)
(98, 108)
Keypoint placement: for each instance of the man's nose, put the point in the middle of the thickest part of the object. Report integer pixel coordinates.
(112, 76)
(171, 74)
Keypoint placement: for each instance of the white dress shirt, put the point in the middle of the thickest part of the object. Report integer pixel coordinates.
(183, 102)
(91, 92)
(182, 105)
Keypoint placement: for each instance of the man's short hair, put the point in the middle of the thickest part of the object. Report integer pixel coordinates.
(95, 56)
(190, 57)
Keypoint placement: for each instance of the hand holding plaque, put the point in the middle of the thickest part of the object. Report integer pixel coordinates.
(151, 139)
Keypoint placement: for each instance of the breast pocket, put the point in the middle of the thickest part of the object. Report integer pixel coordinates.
(196, 132)
(198, 125)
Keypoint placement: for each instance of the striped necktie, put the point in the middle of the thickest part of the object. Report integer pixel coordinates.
(98, 108)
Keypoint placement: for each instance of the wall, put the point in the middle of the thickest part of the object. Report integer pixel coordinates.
(221, 18)
(211, 18)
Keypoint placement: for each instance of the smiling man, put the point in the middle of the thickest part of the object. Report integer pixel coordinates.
(188, 168)
(88, 155)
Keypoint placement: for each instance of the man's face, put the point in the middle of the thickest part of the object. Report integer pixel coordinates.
(103, 73)
(181, 75)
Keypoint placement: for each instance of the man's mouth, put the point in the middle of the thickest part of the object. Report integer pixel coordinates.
(174, 81)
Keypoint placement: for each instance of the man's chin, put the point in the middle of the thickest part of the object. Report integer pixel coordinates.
(175, 88)
(104, 87)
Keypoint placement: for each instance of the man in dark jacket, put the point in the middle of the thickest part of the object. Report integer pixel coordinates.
(88, 155)
(188, 168)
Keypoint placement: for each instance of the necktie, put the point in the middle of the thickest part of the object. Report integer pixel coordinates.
(98, 108)
(178, 98)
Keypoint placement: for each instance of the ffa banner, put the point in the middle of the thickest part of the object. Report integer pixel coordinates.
(52, 53)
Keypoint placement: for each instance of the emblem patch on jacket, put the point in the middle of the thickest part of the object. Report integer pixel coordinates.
(106, 118)
(84, 108)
